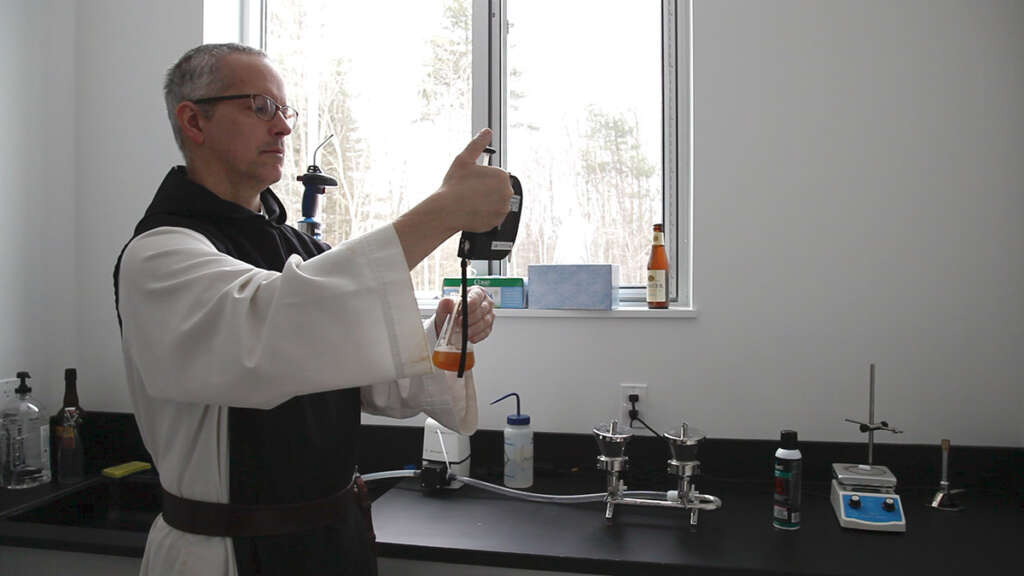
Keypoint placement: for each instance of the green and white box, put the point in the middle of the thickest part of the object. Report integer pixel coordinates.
(506, 292)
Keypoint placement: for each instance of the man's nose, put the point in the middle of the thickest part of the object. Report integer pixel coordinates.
(280, 125)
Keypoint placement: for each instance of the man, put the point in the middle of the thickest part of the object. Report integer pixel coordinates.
(250, 348)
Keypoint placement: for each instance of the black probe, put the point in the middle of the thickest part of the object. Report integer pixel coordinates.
(465, 302)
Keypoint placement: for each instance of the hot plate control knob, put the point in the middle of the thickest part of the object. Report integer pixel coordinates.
(855, 501)
(889, 505)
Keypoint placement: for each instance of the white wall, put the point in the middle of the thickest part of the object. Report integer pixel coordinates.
(125, 147)
(859, 193)
(39, 278)
(857, 196)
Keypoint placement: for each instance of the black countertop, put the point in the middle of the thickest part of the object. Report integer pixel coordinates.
(474, 526)
(80, 517)
(13, 502)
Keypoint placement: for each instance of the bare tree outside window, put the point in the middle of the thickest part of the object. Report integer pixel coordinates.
(448, 85)
(393, 83)
(585, 134)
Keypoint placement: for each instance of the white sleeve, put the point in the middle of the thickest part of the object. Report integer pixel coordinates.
(449, 400)
(207, 328)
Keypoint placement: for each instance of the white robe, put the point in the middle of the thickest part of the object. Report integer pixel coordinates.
(203, 331)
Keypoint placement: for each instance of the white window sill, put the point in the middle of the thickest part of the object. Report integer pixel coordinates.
(625, 310)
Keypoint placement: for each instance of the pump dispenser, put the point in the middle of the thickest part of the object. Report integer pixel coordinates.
(27, 434)
(518, 447)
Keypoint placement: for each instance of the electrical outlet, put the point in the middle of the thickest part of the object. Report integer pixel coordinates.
(641, 404)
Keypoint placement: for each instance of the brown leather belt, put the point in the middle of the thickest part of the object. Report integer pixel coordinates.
(242, 520)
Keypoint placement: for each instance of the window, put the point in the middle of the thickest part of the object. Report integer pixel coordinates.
(589, 102)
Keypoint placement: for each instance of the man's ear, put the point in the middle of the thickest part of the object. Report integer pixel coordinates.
(188, 117)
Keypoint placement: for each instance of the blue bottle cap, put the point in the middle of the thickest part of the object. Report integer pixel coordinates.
(518, 419)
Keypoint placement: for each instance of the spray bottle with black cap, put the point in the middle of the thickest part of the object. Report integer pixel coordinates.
(788, 464)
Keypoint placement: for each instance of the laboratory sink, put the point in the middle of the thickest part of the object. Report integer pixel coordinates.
(130, 504)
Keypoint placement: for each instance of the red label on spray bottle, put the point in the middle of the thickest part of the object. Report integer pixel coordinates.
(786, 512)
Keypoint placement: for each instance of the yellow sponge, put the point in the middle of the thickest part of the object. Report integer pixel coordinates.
(122, 470)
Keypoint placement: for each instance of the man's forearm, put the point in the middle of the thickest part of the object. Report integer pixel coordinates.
(422, 229)
(471, 197)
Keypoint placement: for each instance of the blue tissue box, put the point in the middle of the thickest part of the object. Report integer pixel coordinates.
(574, 286)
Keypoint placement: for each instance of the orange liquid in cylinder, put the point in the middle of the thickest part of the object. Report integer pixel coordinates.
(449, 361)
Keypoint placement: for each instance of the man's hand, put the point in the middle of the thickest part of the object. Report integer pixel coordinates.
(477, 196)
(471, 197)
(481, 314)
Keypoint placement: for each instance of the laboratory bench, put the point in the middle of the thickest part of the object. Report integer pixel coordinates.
(97, 515)
(482, 528)
(474, 527)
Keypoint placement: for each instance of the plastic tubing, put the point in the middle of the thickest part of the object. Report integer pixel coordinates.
(390, 474)
(557, 498)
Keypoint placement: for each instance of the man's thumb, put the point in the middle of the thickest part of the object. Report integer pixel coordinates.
(476, 146)
(444, 309)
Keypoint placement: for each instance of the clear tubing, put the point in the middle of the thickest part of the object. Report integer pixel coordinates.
(556, 498)
(566, 499)
(390, 474)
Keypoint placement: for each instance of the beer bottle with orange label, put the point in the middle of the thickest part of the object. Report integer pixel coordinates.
(657, 271)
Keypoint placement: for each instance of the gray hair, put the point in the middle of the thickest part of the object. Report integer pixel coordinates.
(197, 75)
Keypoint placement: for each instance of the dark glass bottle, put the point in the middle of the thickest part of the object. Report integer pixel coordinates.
(66, 434)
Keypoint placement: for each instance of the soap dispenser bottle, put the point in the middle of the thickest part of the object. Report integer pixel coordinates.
(518, 448)
(27, 432)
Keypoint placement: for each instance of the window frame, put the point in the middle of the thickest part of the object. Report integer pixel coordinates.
(490, 110)
(490, 106)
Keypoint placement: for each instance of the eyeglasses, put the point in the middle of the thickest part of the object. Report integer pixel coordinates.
(262, 106)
